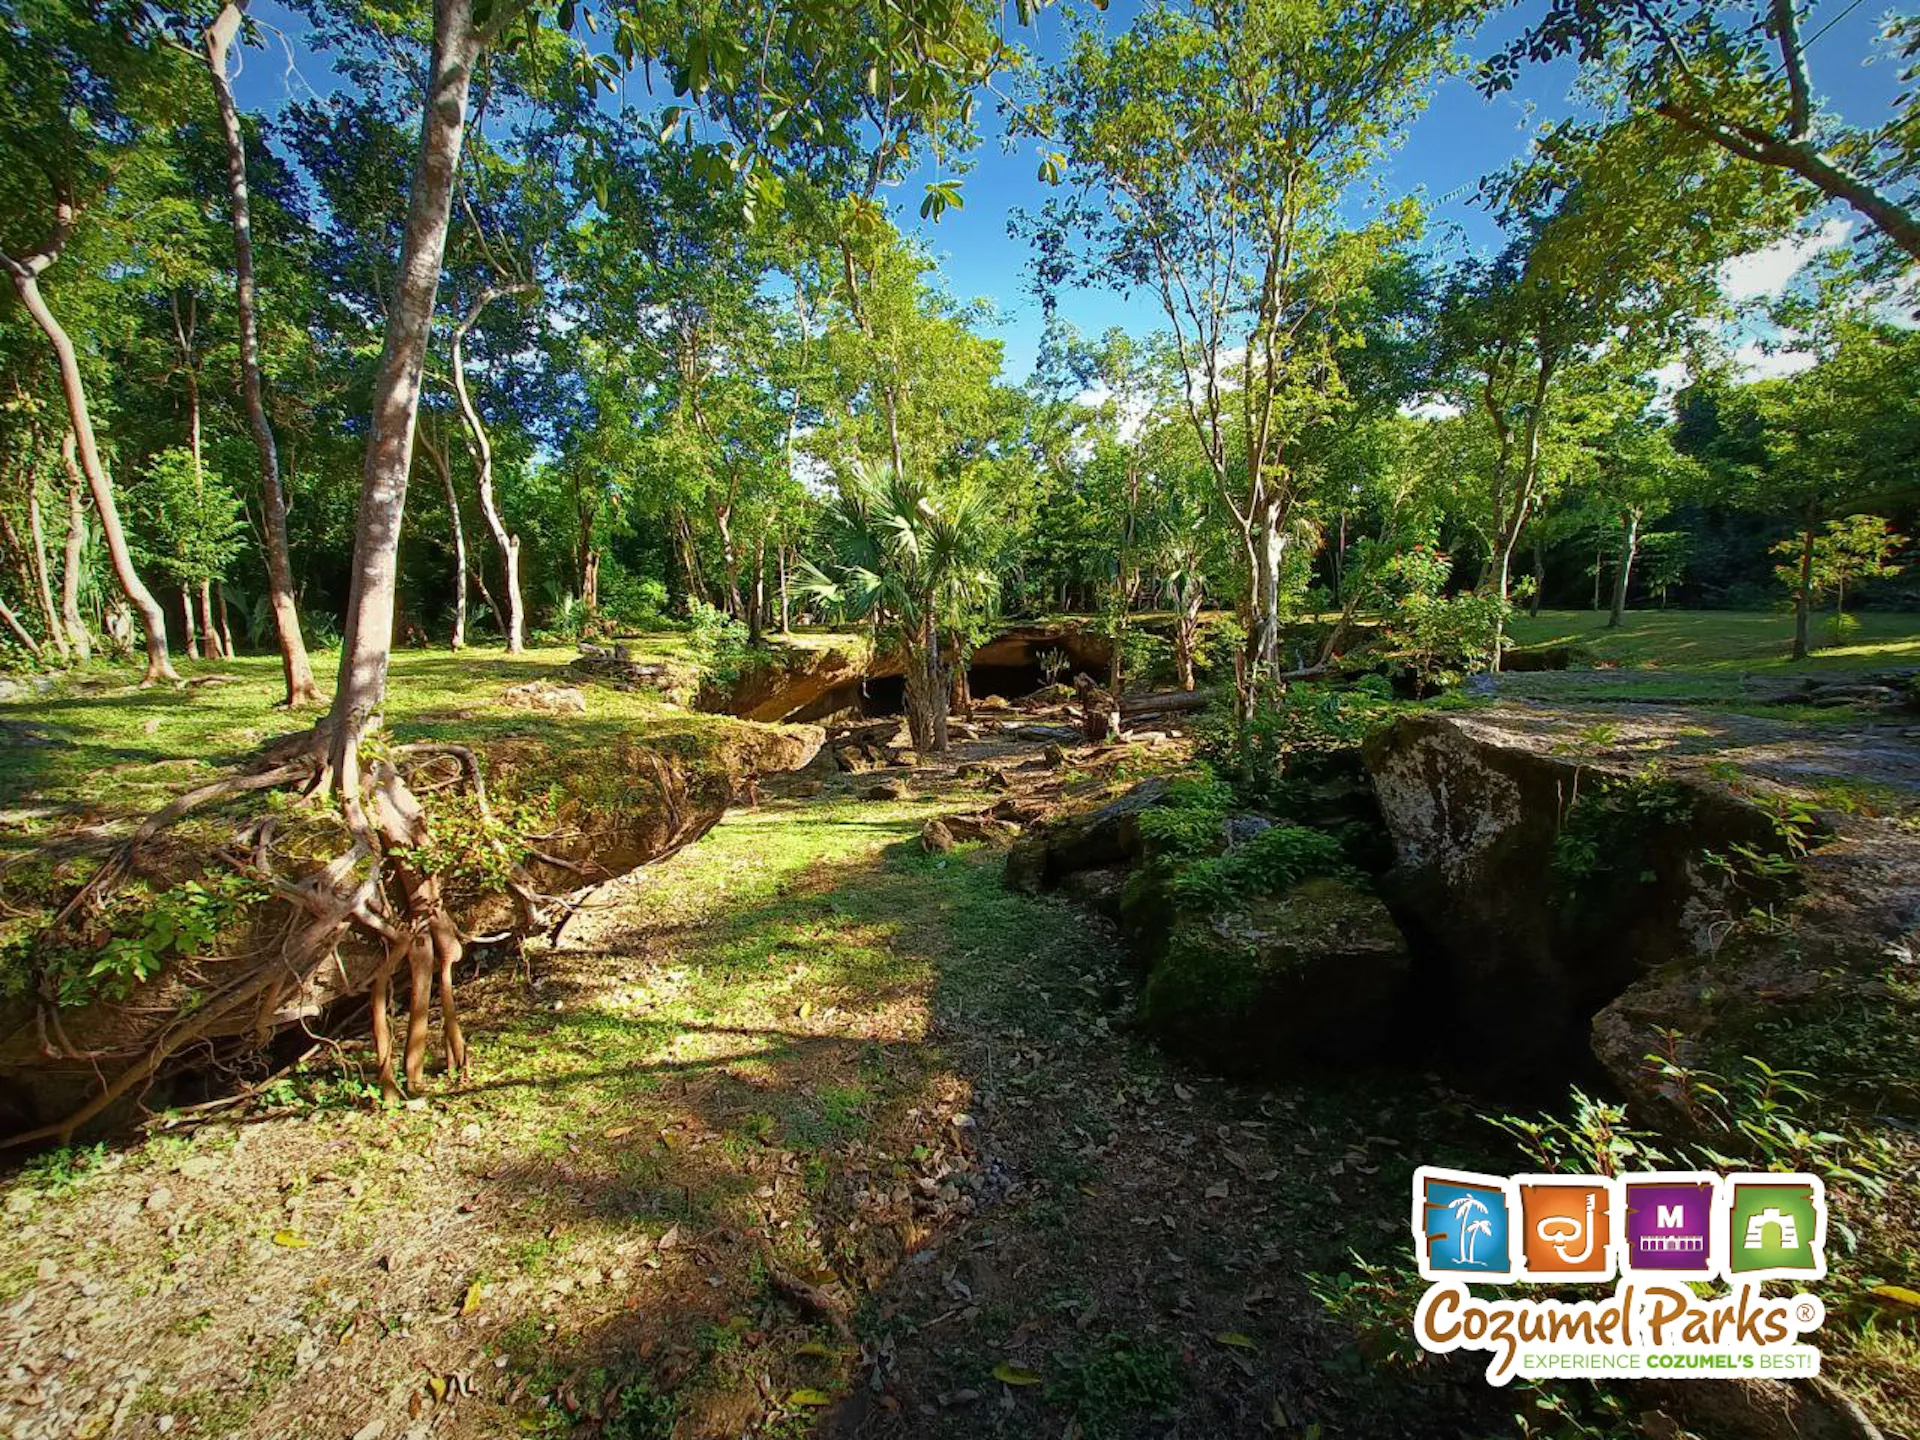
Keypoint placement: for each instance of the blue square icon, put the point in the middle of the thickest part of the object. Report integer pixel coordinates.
(1462, 1225)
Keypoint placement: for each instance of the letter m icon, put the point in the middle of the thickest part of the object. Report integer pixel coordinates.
(1672, 1217)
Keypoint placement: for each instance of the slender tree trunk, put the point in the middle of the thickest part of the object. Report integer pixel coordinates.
(189, 639)
(1629, 547)
(1598, 553)
(26, 285)
(1186, 630)
(786, 604)
(437, 458)
(210, 632)
(368, 641)
(482, 450)
(20, 632)
(226, 629)
(1539, 577)
(44, 585)
(1803, 596)
(756, 622)
(297, 670)
(74, 555)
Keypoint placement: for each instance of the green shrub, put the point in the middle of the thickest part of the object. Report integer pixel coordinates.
(719, 644)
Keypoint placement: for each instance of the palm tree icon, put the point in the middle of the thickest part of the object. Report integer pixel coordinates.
(1463, 1207)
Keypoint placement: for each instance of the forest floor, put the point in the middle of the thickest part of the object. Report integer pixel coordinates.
(801, 1130)
(800, 1052)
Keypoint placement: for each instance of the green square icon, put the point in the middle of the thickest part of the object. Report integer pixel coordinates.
(1775, 1227)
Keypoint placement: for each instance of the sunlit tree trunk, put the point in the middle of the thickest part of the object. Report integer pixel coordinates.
(25, 274)
(226, 629)
(1629, 548)
(74, 555)
(37, 532)
(189, 638)
(368, 641)
(296, 669)
(481, 449)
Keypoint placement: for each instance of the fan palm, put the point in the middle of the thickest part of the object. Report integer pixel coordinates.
(916, 568)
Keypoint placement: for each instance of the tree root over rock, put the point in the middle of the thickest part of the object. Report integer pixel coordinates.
(375, 887)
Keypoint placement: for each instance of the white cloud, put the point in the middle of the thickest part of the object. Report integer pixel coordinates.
(1758, 363)
(1431, 408)
(1770, 270)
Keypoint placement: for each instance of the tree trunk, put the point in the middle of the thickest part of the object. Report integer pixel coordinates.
(74, 556)
(296, 669)
(211, 643)
(1539, 577)
(26, 285)
(1598, 553)
(1503, 580)
(1803, 596)
(1186, 630)
(756, 621)
(368, 641)
(437, 458)
(936, 690)
(226, 629)
(189, 639)
(482, 450)
(38, 533)
(20, 632)
(786, 604)
(1629, 547)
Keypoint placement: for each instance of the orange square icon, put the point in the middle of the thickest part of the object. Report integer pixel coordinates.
(1566, 1229)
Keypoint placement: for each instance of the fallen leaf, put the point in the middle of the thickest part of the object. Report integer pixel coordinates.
(1897, 1294)
(812, 1398)
(1182, 1091)
(815, 1347)
(1217, 1190)
(1007, 1373)
(475, 1292)
(438, 1385)
(1236, 1340)
(619, 1132)
(290, 1240)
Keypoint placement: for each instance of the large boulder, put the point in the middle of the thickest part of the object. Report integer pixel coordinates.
(1106, 833)
(1628, 880)
(1310, 975)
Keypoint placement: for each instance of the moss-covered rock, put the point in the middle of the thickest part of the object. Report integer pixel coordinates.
(1312, 974)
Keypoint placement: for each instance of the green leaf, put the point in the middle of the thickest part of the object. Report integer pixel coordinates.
(1236, 1340)
(1007, 1373)
(813, 1399)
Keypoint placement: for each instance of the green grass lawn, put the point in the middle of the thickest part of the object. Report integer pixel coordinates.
(95, 743)
(1724, 640)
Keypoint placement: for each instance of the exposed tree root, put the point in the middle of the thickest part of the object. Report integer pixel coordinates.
(374, 888)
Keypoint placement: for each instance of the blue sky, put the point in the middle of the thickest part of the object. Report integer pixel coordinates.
(1458, 139)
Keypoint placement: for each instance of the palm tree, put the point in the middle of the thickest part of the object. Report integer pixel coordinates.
(1462, 1206)
(916, 569)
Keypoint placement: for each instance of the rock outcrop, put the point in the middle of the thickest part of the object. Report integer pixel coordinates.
(1308, 975)
(1630, 880)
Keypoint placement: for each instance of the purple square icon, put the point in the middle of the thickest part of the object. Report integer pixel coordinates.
(1670, 1226)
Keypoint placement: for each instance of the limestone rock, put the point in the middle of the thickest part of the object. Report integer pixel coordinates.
(1312, 974)
(547, 697)
(1106, 834)
(888, 790)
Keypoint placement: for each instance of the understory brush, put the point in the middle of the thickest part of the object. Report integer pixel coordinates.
(1754, 1120)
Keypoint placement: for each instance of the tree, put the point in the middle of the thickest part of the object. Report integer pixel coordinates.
(82, 103)
(189, 521)
(298, 670)
(1852, 548)
(915, 567)
(1733, 74)
(1224, 139)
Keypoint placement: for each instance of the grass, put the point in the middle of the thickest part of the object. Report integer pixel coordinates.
(1724, 642)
